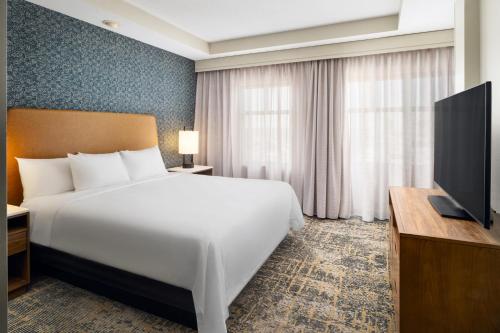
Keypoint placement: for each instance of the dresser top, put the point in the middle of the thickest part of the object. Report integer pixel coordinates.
(416, 217)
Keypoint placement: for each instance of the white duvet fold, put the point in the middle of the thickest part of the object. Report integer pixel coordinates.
(206, 234)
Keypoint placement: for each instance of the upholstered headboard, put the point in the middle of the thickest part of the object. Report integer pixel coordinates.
(37, 133)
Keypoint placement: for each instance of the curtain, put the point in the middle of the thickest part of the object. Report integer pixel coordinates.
(244, 119)
(389, 109)
(340, 131)
(281, 122)
(322, 163)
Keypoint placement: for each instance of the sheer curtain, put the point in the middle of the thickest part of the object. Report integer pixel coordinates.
(244, 118)
(281, 122)
(389, 117)
(340, 131)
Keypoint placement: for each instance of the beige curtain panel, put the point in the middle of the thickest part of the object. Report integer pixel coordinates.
(340, 131)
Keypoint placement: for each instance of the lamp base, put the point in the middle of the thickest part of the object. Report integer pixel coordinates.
(185, 163)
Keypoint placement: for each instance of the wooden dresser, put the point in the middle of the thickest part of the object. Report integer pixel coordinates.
(445, 273)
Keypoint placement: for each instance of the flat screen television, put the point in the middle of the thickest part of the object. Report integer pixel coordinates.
(462, 155)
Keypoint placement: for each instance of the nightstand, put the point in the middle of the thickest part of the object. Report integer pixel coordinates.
(197, 169)
(18, 249)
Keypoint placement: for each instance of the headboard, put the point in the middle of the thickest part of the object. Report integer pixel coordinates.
(38, 133)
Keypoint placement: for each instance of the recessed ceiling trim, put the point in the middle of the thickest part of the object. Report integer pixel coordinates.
(425, 40)
(314, 34)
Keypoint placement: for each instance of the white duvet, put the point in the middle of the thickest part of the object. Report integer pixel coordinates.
(206, 234)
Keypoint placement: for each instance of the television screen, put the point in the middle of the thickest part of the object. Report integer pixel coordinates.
(462, 137)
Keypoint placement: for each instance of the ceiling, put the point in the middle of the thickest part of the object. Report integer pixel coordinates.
(201, 29)
(217, 20)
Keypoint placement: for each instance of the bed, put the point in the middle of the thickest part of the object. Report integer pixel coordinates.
(178, 245)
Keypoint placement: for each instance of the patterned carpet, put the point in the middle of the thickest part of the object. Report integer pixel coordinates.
(330, 277)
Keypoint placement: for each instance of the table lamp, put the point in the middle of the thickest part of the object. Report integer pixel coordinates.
(188, 145)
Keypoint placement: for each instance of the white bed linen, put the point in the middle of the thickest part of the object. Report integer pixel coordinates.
(206, 234)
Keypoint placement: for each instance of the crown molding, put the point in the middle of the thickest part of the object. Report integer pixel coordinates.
(425, 40)
(307, 35)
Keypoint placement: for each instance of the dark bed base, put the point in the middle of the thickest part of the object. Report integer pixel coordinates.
(152, 296)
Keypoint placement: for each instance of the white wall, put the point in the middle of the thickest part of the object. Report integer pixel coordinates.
(477, 60)
(459, 49)
(467, 44)
(490, 71)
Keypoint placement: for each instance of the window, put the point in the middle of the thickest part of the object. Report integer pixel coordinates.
(265, 130)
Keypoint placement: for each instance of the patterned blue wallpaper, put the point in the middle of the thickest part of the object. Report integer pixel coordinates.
(57, 62)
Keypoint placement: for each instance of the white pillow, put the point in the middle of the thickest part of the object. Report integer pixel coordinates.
(45, 176)
(97, 170)
(142, 164)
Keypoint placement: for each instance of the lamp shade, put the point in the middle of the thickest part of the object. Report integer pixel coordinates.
(188, 142)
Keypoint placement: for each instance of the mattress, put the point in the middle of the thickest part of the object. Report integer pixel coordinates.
(206, 234)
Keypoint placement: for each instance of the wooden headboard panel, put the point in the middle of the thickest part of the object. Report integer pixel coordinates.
(37, 133)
